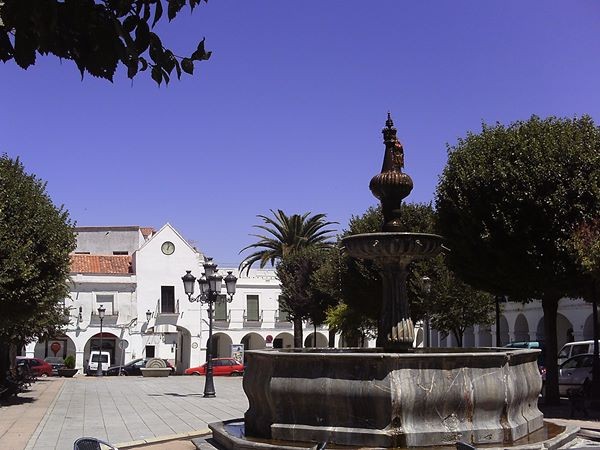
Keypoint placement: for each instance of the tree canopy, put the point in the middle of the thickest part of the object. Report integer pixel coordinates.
(508, 202)
(98, 35)
(451, 305)
(286, 234)
(300, 296)
(36, 238)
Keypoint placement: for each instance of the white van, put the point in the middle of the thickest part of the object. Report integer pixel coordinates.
(95, 357)
(574, 348)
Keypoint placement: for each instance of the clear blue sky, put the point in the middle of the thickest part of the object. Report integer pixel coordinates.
(288, 112)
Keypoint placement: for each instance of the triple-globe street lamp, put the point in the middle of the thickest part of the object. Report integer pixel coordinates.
(210, 284)
(101, 311)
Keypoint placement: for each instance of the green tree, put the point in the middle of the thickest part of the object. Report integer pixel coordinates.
(36, 238)
(508, 201)
(98, 35)
(585, 243)
(284, 236)
(300, 296)
(451, 305)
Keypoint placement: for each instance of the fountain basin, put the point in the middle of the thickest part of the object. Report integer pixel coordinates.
(363, 397)
(398, 247)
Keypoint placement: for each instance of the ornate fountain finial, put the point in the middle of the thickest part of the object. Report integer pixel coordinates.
(391, 186)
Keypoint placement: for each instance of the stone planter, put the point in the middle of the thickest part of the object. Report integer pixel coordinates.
(69, 373)
(156, 372)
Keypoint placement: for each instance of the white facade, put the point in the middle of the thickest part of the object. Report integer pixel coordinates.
(525, 322)
(125, 270)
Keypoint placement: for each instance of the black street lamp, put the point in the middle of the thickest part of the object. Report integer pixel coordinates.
(101, 312)
(210, 287)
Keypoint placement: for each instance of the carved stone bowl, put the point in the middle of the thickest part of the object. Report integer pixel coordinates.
(403, 247)
(431, 397)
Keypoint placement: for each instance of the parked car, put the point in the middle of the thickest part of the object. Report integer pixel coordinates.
(98, 357)
(221, 366)
(36, 366)
(56, 362)
(133, 367)
(575, 372)
(574, 348)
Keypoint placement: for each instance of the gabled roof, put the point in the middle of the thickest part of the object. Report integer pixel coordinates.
(101, 264)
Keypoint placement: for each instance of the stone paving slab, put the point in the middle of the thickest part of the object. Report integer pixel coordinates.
(126, 409)
(20, 416)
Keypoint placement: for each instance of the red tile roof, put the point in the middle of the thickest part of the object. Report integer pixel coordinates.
(147, 231)
(105, 264)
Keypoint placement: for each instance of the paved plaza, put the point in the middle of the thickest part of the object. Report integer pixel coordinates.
(116, 409)
(142, 411)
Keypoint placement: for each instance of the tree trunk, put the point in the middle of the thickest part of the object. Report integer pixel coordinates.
(297, 333)
(331, 338)
(4, 360)
(459, 337)
(550, 306)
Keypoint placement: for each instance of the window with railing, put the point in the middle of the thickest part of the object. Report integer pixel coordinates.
(252, 311)
(167, 299)
(221, 308)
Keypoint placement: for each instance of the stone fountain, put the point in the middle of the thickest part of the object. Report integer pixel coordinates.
(392, 396)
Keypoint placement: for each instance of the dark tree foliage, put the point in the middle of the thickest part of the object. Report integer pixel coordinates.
(300, 296)
(98, 35)
(451, 306)
(36, 238)
(508, 202)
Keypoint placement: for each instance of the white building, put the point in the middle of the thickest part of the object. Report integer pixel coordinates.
(525, 322)
(135, 273)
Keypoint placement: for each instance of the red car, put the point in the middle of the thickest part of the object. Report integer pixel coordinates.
(221, 366)
(36, 366)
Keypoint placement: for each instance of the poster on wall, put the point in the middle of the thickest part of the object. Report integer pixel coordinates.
(237, 352)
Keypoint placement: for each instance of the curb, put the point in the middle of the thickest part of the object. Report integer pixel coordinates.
(159, 440)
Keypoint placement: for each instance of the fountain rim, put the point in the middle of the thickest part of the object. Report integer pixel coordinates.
(489, 352)
(393, 234)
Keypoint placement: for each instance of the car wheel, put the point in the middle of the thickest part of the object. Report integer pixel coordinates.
(124, 373)
(235, 374)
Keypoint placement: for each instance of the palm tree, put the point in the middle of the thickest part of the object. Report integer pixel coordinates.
(285, 235)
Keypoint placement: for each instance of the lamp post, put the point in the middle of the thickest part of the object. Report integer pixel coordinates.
(210, 288)
(427, 288)
(101, 312)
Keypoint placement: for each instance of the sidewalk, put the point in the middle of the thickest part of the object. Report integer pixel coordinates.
(20, 417)
(136, 410)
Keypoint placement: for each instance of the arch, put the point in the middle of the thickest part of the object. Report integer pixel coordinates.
(485, 336)
(221, 345)
(183, 353)
(419, 338)
(504, 329)
(521, 328)
(109, 344)
(43, 349)
(563, 326)
(469, 337)
(322, 340)
(588, 328)
(253, 341)
(283, 340)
